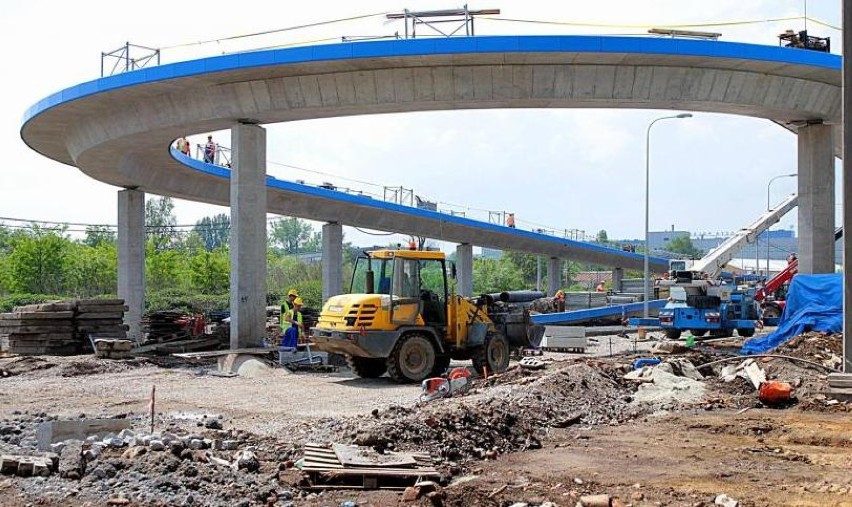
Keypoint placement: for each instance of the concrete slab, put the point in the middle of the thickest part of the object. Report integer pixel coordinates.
(56, 431)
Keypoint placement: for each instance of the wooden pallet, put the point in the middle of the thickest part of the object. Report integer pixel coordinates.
(323, 470)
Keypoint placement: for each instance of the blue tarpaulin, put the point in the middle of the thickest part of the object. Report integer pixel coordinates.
(814, 303)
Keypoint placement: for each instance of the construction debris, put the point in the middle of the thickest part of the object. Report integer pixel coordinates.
(363, 468)
(113, 349)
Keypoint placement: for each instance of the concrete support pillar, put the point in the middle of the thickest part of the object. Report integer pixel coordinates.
(816, 199)
(248, 236)
(464, 269)
(332, 260)
(617, 277)
(131, 258)
(847, 189)
(554, 275)
(538, 272)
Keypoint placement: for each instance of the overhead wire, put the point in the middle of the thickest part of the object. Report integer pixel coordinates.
(277, 30)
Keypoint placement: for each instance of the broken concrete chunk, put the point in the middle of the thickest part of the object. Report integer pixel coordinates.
(71, 462)
(595, 501)
(56, 431)
(725, 501)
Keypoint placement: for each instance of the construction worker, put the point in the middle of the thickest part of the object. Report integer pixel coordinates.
(210, 150)
(296, 329)
(601, 286)
(287, 304)
(510, 220)
(183, 145)
(559, 300)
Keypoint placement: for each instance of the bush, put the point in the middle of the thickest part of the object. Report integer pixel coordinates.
(185, 301)
(7, 303)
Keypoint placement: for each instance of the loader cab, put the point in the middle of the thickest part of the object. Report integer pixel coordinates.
(414, 281)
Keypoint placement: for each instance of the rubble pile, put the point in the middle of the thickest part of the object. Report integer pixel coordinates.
(823, 348)
(499, 415)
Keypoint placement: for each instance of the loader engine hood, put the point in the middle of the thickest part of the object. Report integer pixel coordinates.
(350, 311)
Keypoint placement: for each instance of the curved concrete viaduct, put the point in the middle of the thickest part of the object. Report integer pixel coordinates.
(118, 129)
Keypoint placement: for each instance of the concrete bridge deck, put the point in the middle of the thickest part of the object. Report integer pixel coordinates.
(119, 129)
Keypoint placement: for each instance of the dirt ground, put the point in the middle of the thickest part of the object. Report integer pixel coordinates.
(674, 455)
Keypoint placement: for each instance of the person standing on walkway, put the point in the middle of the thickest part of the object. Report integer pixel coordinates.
(210, 151)
(510, 220)
(183, 146)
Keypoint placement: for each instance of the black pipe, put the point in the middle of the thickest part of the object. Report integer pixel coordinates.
(517, 296)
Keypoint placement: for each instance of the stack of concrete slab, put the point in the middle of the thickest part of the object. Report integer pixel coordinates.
(61, 328)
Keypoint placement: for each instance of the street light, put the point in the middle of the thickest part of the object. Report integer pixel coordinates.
(647, 292)
(768, 186)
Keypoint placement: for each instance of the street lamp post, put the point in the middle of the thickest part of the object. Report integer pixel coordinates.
(768, 186)
(647, 292)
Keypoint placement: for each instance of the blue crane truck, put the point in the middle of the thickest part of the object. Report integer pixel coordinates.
(701, 306)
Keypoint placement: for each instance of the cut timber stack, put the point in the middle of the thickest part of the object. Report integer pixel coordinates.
(60, 328)
(100, 318)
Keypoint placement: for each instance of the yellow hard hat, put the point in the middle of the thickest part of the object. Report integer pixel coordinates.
(297, 301)
(559, 293)
(293, 293)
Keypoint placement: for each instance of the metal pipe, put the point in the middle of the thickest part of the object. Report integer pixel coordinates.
(772, 356)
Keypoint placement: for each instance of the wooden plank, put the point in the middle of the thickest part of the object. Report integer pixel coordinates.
(214, 353)
(367, 457)
(36, 315)
(59, 306)
(380, 472)
(82, 303)
(102, 309)
(36, 329)
(100, 315)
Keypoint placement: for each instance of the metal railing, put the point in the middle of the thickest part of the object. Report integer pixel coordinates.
(221, 156)
(129, 57)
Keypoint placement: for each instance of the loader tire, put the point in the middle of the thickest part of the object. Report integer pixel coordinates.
(746, 332)
(367, 367)
(412, 358)
(492, 355)
(672, 334)
(771, 312)
(698, 332)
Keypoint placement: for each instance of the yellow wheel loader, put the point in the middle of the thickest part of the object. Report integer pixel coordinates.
(401, 318)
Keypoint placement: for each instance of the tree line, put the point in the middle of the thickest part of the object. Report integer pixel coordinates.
(190, 268)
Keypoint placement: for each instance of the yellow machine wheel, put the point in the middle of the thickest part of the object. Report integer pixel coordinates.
(412, 358)
(493, 355)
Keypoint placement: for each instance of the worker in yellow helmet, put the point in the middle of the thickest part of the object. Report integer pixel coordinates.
(287, 304)
(296, 328)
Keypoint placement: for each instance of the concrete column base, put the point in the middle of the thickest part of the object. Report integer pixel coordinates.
(131, 259)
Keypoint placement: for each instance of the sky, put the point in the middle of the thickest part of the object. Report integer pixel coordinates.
(555, 169)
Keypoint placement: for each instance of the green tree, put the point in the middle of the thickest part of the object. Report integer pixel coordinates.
(160, 222)
(215, 231)
(683, 245)
(292, 236)
(164, 269)
(602, 236)
(528, 266)
(99, 234)
(490, 275)
(92, 270)
(37, 261)
(209, 271)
